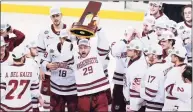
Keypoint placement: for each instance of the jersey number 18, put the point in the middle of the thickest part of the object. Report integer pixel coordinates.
(62, 73)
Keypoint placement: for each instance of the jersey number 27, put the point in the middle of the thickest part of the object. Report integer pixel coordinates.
(15, 84)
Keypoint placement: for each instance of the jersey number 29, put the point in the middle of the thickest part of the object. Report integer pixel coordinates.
(88, 70)
(15, 84)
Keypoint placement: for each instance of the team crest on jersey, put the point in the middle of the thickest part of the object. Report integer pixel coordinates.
(46, 32)
(53, 56)
(181, 27)
(51, 50)
(48, 37)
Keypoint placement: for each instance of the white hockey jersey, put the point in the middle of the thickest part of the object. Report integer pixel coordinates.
(119, 52)
(135, 72)
(90, 77)
(152, 87)
(182, 26)
(183, 93)
(62, 80)
(173, 76)
(45, 38)
(18, 85)
(149, 39)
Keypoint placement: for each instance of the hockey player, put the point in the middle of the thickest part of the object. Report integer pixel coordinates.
(167, 41)
(45, 38)
(19, 83)
(91, 88)
(178, 56)
(160, 27)
(155, 9)
(185, 25)
(12, 42)
(187, 41)
(137, 60)
(32, 58)
(148, 25)
(152, 87)
(119, 52)
(148, 35)
(182, 91)
(62, 80)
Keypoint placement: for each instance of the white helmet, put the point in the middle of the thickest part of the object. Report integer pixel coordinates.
(55, 10)
(135, 45)
(18, 52)
(166, 35)
(155, 49)
(157, 3)
(179, 51)
(4, 26)
(161, 24)
(172, 24)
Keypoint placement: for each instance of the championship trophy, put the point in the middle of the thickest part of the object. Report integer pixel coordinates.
(87, 31)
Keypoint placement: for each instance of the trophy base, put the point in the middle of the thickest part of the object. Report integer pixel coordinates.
(82, 31)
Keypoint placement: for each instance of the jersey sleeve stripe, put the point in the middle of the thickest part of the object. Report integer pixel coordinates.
(35, 100)
(103, 84)
(134, 93)
(23, 108)
(3, 86)
(95, 84)
(118, 79)
(171, 98)
(41, 49)
(88, 84)
(63, 86)
(118, 74)
(149, 93)
(154, 105)
(70, 60)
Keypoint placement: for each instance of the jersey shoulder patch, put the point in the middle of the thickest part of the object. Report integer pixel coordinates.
(46, 32)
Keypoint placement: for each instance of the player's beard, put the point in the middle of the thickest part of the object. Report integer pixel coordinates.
(57, 22)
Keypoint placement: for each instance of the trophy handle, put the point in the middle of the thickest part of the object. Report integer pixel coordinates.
(93, 8)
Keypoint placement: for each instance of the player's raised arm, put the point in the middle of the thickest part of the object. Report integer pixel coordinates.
(118, 49)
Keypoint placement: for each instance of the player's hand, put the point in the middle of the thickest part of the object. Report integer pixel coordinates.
(136, 34)
(129, 33)
(52, 66)
(136, 87)
(41, 101)
(97, 21)
(128, 109)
